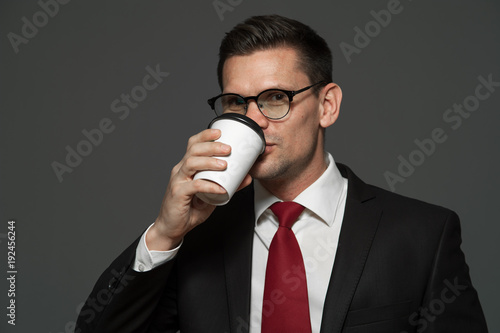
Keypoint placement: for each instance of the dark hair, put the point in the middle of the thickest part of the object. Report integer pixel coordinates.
(271, 31)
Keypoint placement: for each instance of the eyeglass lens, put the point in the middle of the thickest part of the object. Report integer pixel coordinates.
(272, 103)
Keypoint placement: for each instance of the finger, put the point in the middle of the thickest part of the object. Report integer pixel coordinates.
(204, 186)
(208, 149)
(201, 149)
(182, 192)
(194, 164)
(204, 136)
(199, 204)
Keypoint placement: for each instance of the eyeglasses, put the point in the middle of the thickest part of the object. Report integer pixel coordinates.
(272, 103)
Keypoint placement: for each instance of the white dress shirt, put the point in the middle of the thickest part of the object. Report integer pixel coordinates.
(317, 231)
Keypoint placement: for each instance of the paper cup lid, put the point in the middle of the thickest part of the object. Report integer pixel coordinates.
(242, 119)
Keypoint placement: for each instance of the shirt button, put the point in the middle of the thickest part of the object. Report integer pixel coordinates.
(112, 283)
(141, 267)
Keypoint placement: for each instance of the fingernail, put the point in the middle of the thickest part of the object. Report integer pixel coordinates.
(221, 162)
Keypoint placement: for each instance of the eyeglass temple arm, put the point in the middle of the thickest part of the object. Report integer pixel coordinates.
(293, 93)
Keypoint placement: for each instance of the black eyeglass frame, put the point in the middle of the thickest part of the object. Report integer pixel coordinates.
(290, 94)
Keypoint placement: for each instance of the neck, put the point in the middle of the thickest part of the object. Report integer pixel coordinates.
(289, 187)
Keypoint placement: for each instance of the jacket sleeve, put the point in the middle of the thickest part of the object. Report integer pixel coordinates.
(124, 300)
(450, 303)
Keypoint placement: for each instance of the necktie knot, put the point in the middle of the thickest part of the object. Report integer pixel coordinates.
(287, 212)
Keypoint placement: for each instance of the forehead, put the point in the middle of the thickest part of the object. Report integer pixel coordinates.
(260, 70)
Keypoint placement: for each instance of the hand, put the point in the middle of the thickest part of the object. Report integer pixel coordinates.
(181, 210)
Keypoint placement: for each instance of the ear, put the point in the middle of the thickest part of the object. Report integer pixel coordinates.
(331, 96)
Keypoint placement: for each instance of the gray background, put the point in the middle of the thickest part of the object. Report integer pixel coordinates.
(64, 79)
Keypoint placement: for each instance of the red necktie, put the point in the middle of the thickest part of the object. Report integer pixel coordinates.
(286, 306)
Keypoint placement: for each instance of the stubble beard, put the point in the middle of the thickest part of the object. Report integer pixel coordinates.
(266, 170)
(281, 168)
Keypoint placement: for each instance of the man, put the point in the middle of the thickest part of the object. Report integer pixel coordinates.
(373, 261)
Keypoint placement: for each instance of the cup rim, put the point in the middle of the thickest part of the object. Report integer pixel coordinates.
(242, 119)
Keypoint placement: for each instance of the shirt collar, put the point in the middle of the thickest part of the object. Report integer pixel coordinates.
(321, 197)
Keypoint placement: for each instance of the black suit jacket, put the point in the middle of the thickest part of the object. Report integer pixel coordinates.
(398, 268)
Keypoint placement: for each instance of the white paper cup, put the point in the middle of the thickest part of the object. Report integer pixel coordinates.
(247, 142)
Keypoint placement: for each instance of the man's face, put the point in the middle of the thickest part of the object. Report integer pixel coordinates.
(293, 143)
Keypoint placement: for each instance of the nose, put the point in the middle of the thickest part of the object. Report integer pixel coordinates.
(254, 113)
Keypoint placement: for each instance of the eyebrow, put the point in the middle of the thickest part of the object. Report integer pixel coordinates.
(275, 87)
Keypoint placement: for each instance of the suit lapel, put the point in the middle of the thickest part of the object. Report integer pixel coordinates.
(238, 244)
(361, 218)
(360, 223)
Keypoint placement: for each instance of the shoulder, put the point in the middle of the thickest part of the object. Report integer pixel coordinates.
(397, 209)
(402, 205)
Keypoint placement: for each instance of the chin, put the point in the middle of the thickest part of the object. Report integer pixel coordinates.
(258, 170)
(265, 170)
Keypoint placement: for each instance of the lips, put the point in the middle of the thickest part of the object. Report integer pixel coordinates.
(269, 147)
(271, 141)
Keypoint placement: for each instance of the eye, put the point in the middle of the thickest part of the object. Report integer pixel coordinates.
(278, 96)
(275, 98)
(232, 101)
